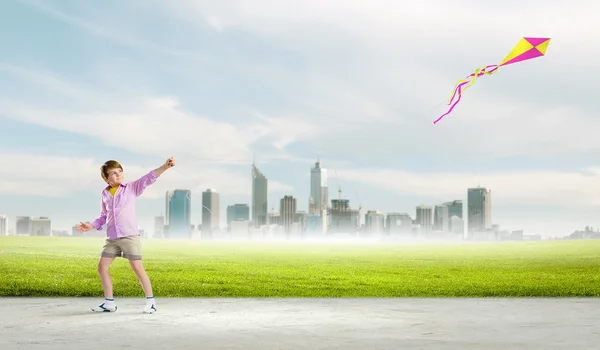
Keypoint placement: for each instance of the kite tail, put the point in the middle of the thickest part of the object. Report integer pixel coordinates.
(460, 86)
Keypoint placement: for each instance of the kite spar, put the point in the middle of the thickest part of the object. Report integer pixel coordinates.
(526, 49)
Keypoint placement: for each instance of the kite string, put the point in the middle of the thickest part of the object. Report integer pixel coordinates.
(458, 88)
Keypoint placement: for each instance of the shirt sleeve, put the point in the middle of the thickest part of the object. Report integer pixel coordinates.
(101, 220)
(140, 184)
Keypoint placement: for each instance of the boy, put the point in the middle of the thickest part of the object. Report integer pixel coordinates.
(123, 239)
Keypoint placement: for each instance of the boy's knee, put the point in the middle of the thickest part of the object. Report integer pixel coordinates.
(104, 264)
(102, 267)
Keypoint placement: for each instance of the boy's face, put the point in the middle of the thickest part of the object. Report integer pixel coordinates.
(115, 177)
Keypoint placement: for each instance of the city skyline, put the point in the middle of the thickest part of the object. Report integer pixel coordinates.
(437, 221)
(178, 206)
(354, 86)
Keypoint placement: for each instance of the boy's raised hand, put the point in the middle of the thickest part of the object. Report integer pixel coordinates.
(170, 162)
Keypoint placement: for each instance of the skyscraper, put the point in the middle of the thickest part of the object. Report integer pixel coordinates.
(210, 212)
(168, 196)
(424, 218)
(287, 211)
(259, 197)
(441, 219)
(179, 212)
(479, 201)
(319, 196)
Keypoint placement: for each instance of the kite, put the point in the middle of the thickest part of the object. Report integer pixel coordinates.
(526, 49)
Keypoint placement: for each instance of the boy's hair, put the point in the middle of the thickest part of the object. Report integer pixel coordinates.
(109, 164)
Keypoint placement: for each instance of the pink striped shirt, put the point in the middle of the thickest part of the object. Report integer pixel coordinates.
(118, 212)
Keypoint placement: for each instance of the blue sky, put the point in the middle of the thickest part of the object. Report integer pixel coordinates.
(358, 85)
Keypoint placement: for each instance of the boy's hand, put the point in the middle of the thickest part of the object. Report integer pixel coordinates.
(170, 163)
(84, 227)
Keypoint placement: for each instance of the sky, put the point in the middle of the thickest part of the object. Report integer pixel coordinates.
(356, 84)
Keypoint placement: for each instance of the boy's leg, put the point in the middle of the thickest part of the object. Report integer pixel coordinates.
(132, 250)
(140, 272)
(105, 277)
(110, 251)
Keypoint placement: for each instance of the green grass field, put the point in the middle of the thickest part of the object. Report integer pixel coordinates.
(57, 266)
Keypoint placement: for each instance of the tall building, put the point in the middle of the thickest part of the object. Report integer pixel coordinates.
(319, 193)
(259, 197)
(344, 219)
(238, 212)
(3, 225)
(210, 212)
(41, 226)
(22, 225)
(479, 201)
(287, 211)
(441, 219)
(374, 222)
(179, 209)
(424, 218)
(168, 196)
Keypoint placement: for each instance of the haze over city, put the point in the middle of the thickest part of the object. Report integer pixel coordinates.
(221, 84)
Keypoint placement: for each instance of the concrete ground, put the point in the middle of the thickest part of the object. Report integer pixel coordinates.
(68, 323)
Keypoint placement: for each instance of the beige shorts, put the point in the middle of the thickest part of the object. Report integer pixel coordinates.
(129, 247)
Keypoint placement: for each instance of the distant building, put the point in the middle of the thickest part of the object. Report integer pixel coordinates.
(259, 198)
(22, 225)
(319, 192)
(3, 225)
(41, 226)
(179, 209)
(424, 219)
(374, 223)
(344, 219)
(479, 201)
(287, 210)
(399, 225)
(443, 214)
(238, 212)
(210, 213)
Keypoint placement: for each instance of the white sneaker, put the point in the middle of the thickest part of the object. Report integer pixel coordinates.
(150, 308)
(105, 307)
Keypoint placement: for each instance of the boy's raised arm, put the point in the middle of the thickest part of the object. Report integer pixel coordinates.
(148, 179)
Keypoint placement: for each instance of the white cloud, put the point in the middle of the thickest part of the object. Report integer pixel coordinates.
(508, 187)
(155, 126)
(31, 175)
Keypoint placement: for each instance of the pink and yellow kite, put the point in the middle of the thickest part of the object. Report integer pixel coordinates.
(526, 49)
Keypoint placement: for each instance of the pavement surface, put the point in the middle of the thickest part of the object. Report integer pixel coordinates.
(224, 323)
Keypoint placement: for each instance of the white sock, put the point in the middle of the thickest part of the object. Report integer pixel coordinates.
(109, 301)
(150, 300)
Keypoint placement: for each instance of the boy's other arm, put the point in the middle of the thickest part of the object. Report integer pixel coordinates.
(101, 220)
